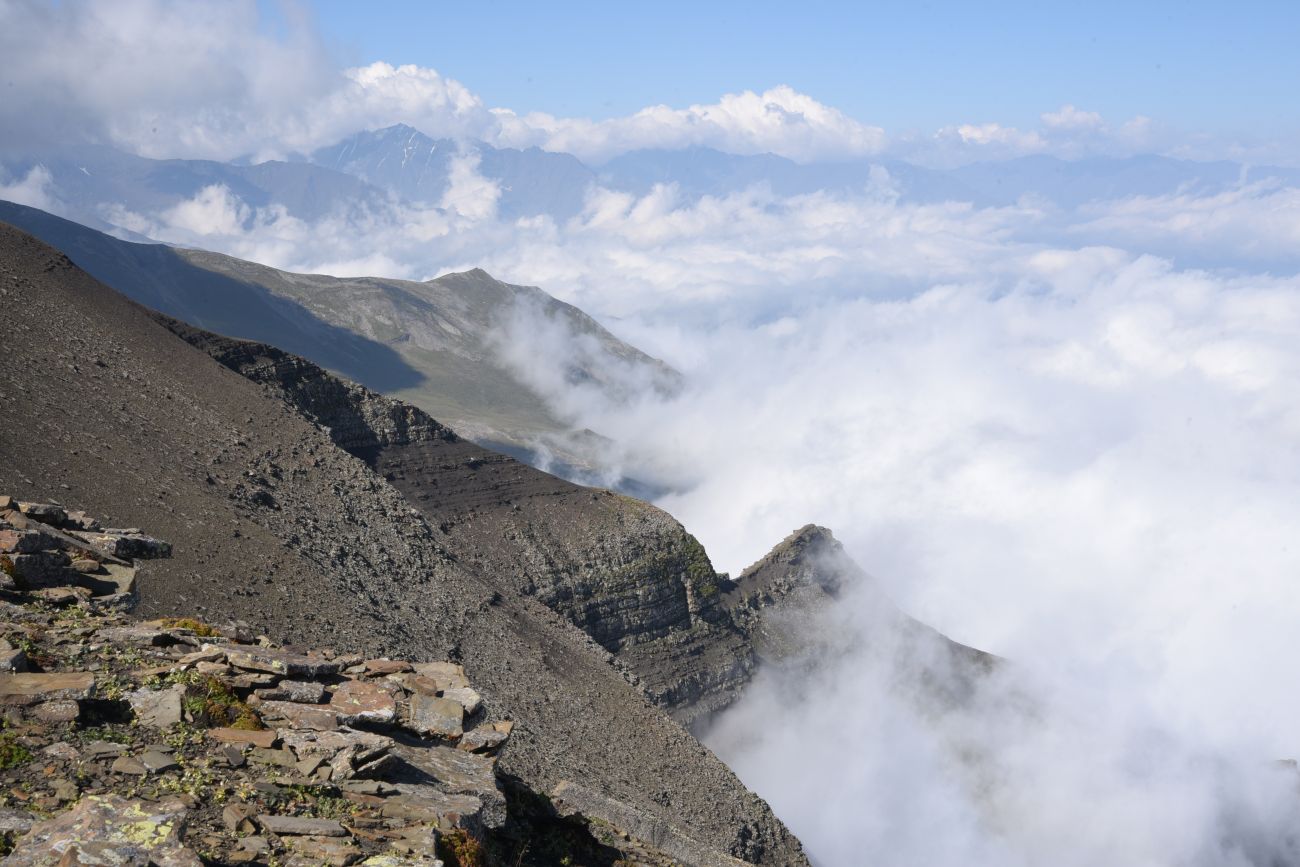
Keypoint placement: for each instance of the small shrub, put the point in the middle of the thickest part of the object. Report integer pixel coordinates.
(213, 703)
(7, 566)
(459, 849)
(12, 753)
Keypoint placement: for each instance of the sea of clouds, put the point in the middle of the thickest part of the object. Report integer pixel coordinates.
(1067, 436)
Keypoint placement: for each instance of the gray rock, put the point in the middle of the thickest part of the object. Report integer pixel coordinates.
(109, 830)
(436, 716)
(158, 709)
(278, 661)
(301, 826)
(304, 692)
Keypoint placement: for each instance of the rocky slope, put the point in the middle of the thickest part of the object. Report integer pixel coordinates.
(437, 344)
(619, 569)
(274, 524)
(173, 742)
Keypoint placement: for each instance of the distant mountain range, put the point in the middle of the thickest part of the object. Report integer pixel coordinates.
(102, 187)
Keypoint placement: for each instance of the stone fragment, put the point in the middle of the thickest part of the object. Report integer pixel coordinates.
(233, 756)
(322, 852)
(280, 758)
(357, 700)
(279, 661)
(62, 751)
(57, 711)
(301, 691)
(486, 737)
(157, 709)
(26, 688)
(264, 739)
(206, 653)
(436, 716)
(46, 513)
(65, 790)
(128, 545)
(380, 667)
(157, 762)
(317, 717)
(468, 698)
(239, 818)
(108, 830)
(15, 821)
(300, 826)
(448, 675)
(249, 850)
(30, 541)
(103, 749)
(62, 597)
(11, 658)
(78, 520)
(7, 502)
(128, 765)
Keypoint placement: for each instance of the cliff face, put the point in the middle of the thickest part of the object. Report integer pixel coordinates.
(784, 604)
(274, 524)
(619, 569)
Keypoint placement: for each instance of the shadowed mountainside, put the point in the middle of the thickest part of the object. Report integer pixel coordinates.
(434, 343)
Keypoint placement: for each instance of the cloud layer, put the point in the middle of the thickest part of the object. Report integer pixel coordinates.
(201, 79)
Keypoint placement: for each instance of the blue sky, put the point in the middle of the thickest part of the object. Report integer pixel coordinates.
(1211, 67)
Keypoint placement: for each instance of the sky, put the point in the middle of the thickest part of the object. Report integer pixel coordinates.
(1208, 66)
(1062, 431)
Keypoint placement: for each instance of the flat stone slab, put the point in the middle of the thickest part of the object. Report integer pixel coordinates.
(468, 698)
(322, 852)
(114, 829)
(25, 687)
(265, 739)
(301, 691)
(436, 716)
(486, 737)
(380, 667)
(157, 708)
(366, 746)
(357, 700)
(301, 826)
(277, 661)
(317, 717)
(448, 675)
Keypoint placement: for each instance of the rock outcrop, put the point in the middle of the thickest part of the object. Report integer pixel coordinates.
(784, 603)
(624, 572)
(273, 524)
(175, 743)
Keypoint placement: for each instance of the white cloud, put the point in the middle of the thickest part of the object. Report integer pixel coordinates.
(780, 120)
(35, 189)
(1070, 118)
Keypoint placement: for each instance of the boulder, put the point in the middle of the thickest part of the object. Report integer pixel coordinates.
(430, 715)
(316, 717)
(447, 675)
(130, 831)
(276, 661)
(28, 688)
(368, 701)
(468, 698)
(301, 691)
(263, 739)
(157, 708)
(301, 826)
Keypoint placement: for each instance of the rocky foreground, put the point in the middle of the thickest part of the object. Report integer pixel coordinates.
(175, 742)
